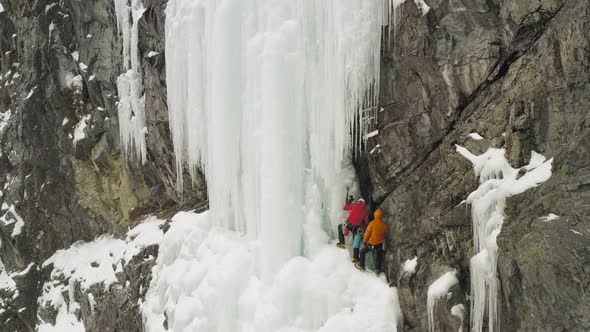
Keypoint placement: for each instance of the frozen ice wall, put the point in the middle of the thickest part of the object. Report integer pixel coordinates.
(262, 98)
(498, 181)
(131, 109)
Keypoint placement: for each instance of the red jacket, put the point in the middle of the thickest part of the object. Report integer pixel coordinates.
(358, 214)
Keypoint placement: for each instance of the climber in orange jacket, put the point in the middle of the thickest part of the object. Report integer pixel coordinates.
(374, 238)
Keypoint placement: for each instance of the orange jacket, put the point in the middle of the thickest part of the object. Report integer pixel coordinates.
(377, 230)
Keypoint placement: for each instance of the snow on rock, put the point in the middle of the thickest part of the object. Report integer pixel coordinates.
(131, 106)
(75, 56)
(422, 6)
(549, 217)
(87, 264)
(83, 66)
(4, 118)
(439, 288)
(74, 82)
(410, 266)
(6, 282)
(79, 133)
(475, 136)
(498, 181)
(372, 134)
(152, 54)
(1, 8)
(30, 94)
(12, 217)
(205, 280)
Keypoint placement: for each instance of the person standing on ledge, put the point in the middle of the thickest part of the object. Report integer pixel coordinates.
(357, 217)
(374, 238)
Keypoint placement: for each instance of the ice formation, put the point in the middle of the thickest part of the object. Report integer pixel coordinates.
(439, 288)
(498, 181)
(262, 98)
(131, 104)
(458, 310)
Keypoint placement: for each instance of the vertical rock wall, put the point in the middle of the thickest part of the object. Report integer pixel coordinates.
(516, 72)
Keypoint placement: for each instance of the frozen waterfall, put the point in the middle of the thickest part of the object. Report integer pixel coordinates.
(268, 98)
(263, 97)
(498, 181)
(131, 108)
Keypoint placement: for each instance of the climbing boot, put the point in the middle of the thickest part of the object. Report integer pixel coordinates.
(341, 245)
(355, 254)
(354, 260)
(358, 266)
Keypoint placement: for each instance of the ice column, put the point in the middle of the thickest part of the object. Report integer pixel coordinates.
(498, 181)
(262, 97)
(131, 104)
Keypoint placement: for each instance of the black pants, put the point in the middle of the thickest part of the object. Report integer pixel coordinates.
(353, 229)
(377, 250)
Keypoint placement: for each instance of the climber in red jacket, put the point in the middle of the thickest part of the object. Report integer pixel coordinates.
(357, 217)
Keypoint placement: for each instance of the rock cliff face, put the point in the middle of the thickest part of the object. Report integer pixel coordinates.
(516, 72)
(61, 164)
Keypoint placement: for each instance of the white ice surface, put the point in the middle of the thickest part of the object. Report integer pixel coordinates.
(205, 279)
(131, 106)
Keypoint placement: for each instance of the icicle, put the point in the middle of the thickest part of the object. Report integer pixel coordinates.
(498, 181)
(439, 288)
(131, 104)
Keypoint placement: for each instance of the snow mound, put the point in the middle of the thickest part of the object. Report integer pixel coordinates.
(204, 280)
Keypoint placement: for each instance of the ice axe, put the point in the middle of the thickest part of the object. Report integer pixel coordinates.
(349, 199)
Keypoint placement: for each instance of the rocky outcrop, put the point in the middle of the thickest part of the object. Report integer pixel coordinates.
(515, 72)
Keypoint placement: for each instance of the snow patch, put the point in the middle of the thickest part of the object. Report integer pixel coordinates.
(152, 54)
(549, 217)
(1, 8)
(422, 6)
(410, 265)
(12, 217)
(83, 66)
(75, 56)
(475, 136)
(79, 133)
(372, 134)
(31, 93)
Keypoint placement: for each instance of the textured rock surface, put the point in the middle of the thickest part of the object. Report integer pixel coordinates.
(491, 67)
(67, 191)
